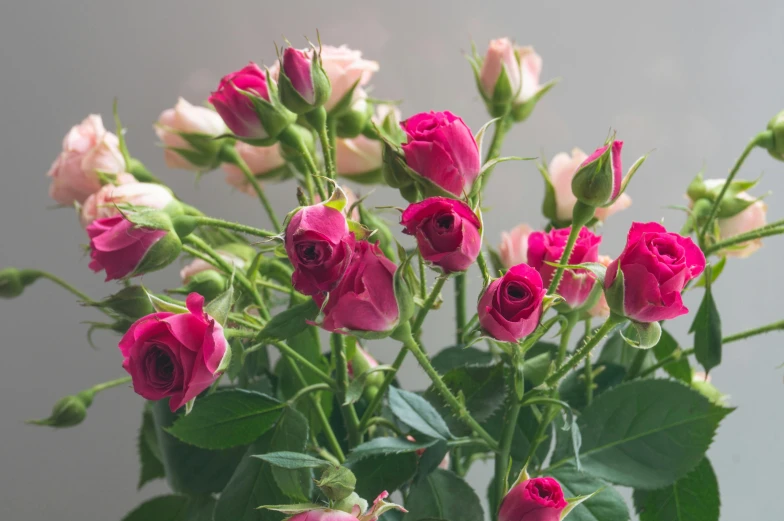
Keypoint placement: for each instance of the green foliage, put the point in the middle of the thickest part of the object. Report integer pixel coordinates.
(455, 356)
(174, 508)
(607, 505)
(292, 460)
(694, 497)
(707, 330)
(443, 495)
(417, 413)
(383, 446)
(290, 322)
(679, 369)
(379, 473)
(149, 452)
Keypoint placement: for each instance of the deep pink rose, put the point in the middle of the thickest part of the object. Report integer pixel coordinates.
(511, 306)
(175, 355)
(656, 266)
(323, 514)
(364, 299)
(446, 231)
(236, 108)
(123, 249)
(535, 499)
(319, 247)
(441, 148)
(576, 285)
(296, 66)
(598, 179)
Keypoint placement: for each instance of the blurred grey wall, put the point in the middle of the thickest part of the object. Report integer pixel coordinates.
(692, 80)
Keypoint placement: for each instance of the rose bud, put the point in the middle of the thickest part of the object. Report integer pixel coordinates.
(535, 499)
(562, 170)
(88, 151)
(123, 249)
(188, 134)
(302, 82)
(355, 119)
(248, 103)
(319, 246)
(446, 231)
(174, 355)
(13, 281)
(511, 306)
(441, 148)
(645, 282)
(543, 248)
(364, 299)
(323, 514)
(68, 411)
(601, 309)
(203, 278)
(774, 141)
(361, 363)
(110, 200)
(346, 70)
(264, 162)
(350, 509)
(598, 180)
(514, 245)
(500, 76)
(751, 218)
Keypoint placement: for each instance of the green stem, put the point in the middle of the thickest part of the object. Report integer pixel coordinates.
(482, 263)
(60, 282)
(230, 155)
(314, 172)
(237, 227)
(567, 252)
(759, 233)
(588, 380)
(584, 351)
(341, 369)
(380, 420)
(500, 129)
(307, 390)
(327, 150)
(112, 383)
(403, 334)
(637, 362)
(544, 422)
(505, 446)
(428, 305)
(422, 277)
(756, 140)
(563, 347)
(288, 351)
(460, 306)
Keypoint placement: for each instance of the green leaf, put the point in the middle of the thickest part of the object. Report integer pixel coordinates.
(607, 505)
(680, 369)
(292, 460)
(694, 497)
(616, 351)
(482, 388)
(387, 445)
(228, 418)
(707, 331)
(417, 413)
(166, 306)
(715, 271)
(646, 433)
(190, 470)
(573, 389)
(220, 307)
(255, 483)
(455, 356)
(431, 459)
(174, 508)
(149, 452)
(443, 495)
(378, 473)
(295, 483)
(290, 322)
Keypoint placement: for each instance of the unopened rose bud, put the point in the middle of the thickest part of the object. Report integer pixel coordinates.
(111, 200)
(355, 119)
(337, 483)
(351, 503)
(68, 411)
(13, 281)
(189, 134)
(500, 77)
(597, 181)
(302, 82)
(132, 302)
(775, 141)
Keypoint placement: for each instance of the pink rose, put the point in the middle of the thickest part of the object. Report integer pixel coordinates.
(601, 309)
(319, 246)
(188, 134)
(511, 306)
(446, 231)
(261, 161)
(123, 249)
(751, 218)
(535, 499)
(597, 181)
(514, 245)
(235, 107)
(656, 266)
(562, 169)
(174, 355)
(88, 149)
(576, 285)
(530, 70)
(441, 148)
(359, 155)
(500, 57)
(364, 299)
(297, 68)
(323, 514)
(345, 67)
(107, 201)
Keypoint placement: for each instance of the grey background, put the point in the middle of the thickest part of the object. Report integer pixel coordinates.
(692, 80)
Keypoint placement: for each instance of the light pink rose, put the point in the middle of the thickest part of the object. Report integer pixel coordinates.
(106, 201)
(260, 160)
(514, 245)
(200, 265)
(749, 219)
(530, 70)
(562, 169)
(358, 155)
(174, 355)
(601, 309)
(500, 55)
(185, 118)
(88, 149)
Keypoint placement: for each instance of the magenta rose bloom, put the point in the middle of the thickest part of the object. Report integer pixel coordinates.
(656, 266)
(511, 306)
(319, 247)
(123, 249)
(175, 355)
(235, 107)
(441, 148)
(576, 285)
(323, 514)
(536, 499)
(364, 299)
(446, 231)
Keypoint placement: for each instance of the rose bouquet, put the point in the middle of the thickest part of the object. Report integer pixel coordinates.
(262, 401)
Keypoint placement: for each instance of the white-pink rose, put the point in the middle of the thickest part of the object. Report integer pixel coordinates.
(88, 149)
(193, 121)
(199, 265)
(751, 218)
(260, 160)
(500, 56)
(109, 200)
(601, 309)
(358, 155)
(514, 245)
(530, 70)
(562, 169)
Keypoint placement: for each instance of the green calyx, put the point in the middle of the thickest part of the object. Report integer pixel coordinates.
(208, 283)
(68, 411)
(773, 140)
(13, 281)
(337, 483)
(131, 302)
(593, 182)
(293, 100)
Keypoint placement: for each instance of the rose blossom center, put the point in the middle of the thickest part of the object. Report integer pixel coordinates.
(666, 250)
(312, 252)
(542, 491)
(161, 369)
(517, 292)
(445, 222)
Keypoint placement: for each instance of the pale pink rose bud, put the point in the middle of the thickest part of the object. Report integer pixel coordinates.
(262, 161)
(109, 200)
(188, 134)
(601, 309)
(345, 67)
(514, 245)
(359, 155)
(500, 58)
(530, 70)
(751, 218)
(88, 150)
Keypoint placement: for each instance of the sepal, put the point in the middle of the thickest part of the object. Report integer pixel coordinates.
(337, 483)
(574, 502)
(521, 111)
(648, 334)
(68, 411)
